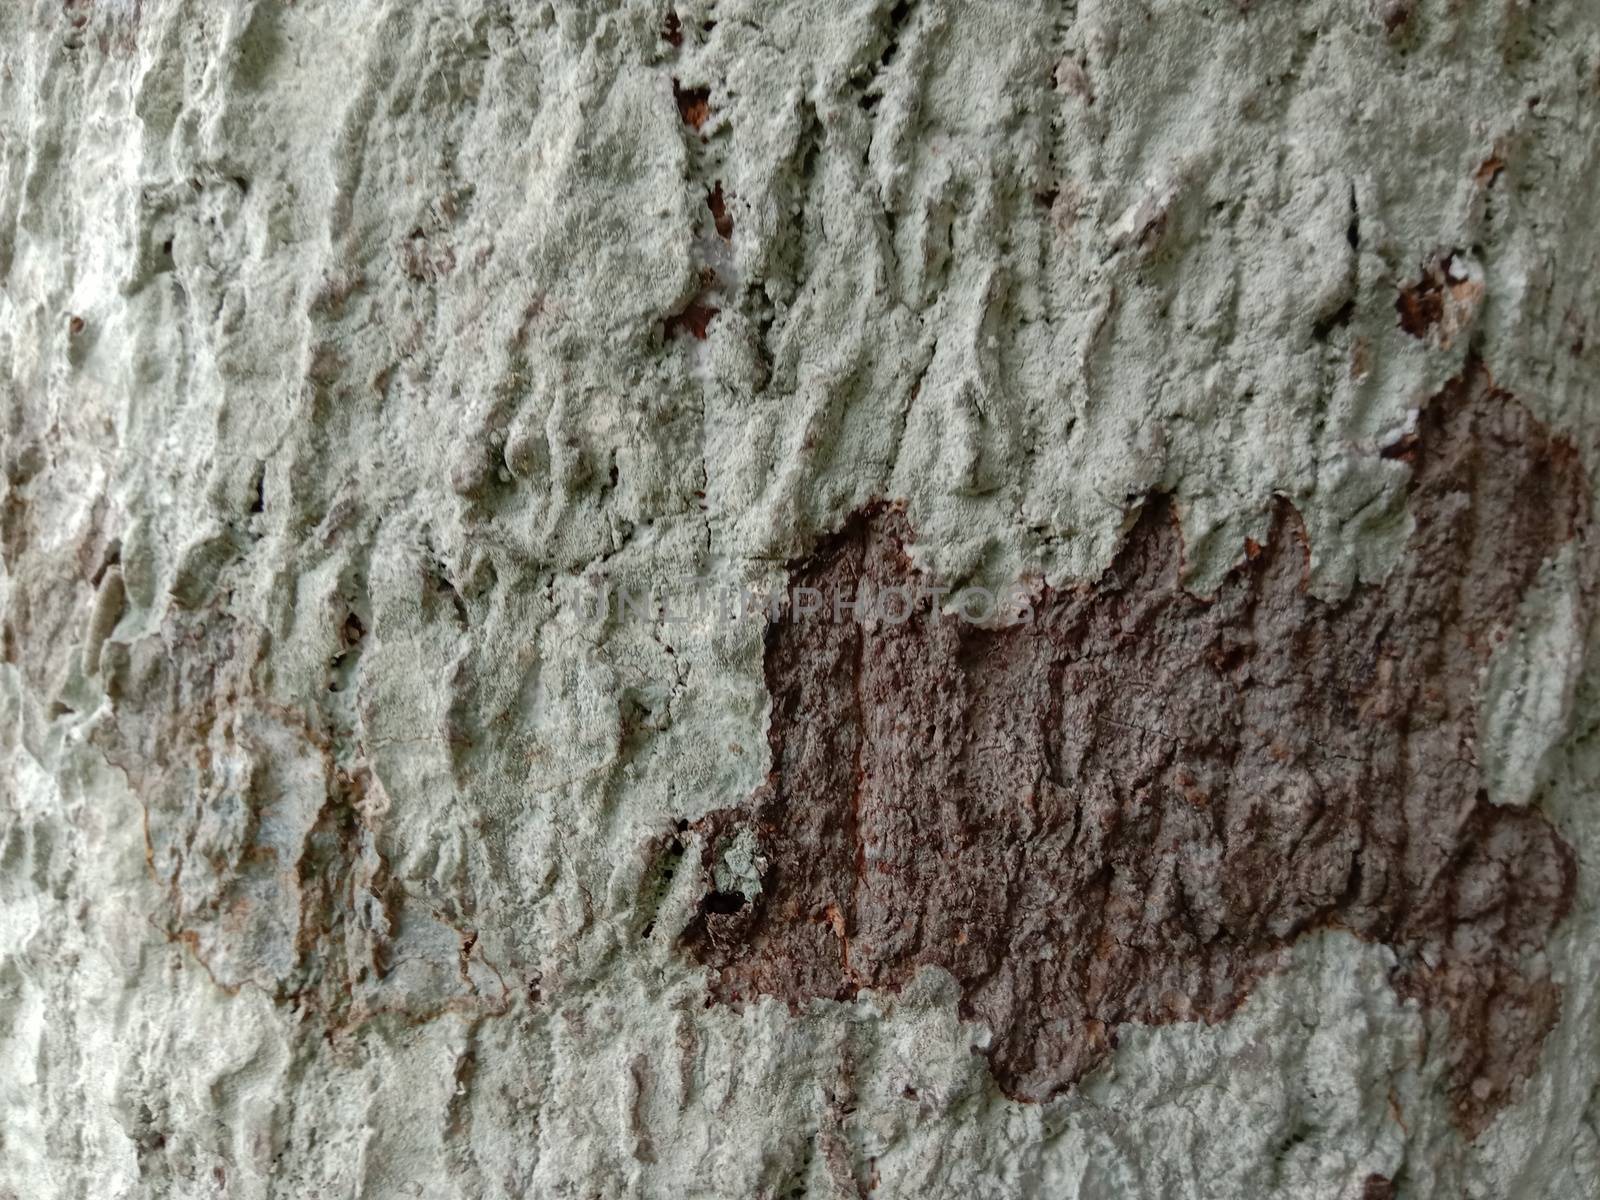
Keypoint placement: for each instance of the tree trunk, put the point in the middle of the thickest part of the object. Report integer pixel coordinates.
(728, 599)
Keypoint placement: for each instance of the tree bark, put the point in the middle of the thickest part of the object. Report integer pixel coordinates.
(838, 598)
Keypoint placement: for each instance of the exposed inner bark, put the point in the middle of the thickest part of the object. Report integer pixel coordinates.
(1126, 809)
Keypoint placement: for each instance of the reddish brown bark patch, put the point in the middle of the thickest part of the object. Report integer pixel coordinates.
(695, 320)
(1125, 810)
(720, 216)
(694, 104)
(1443, 302)
(1396, 16)
(1421, 305)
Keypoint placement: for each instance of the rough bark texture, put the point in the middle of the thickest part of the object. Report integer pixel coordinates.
(345, 347)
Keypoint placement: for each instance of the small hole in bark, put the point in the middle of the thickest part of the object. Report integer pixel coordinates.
(897, 16)
(1336, 320)
(723, 904)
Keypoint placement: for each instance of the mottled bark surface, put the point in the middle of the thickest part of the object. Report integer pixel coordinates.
(345, 345)
(262, 827)
(1123, 808)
